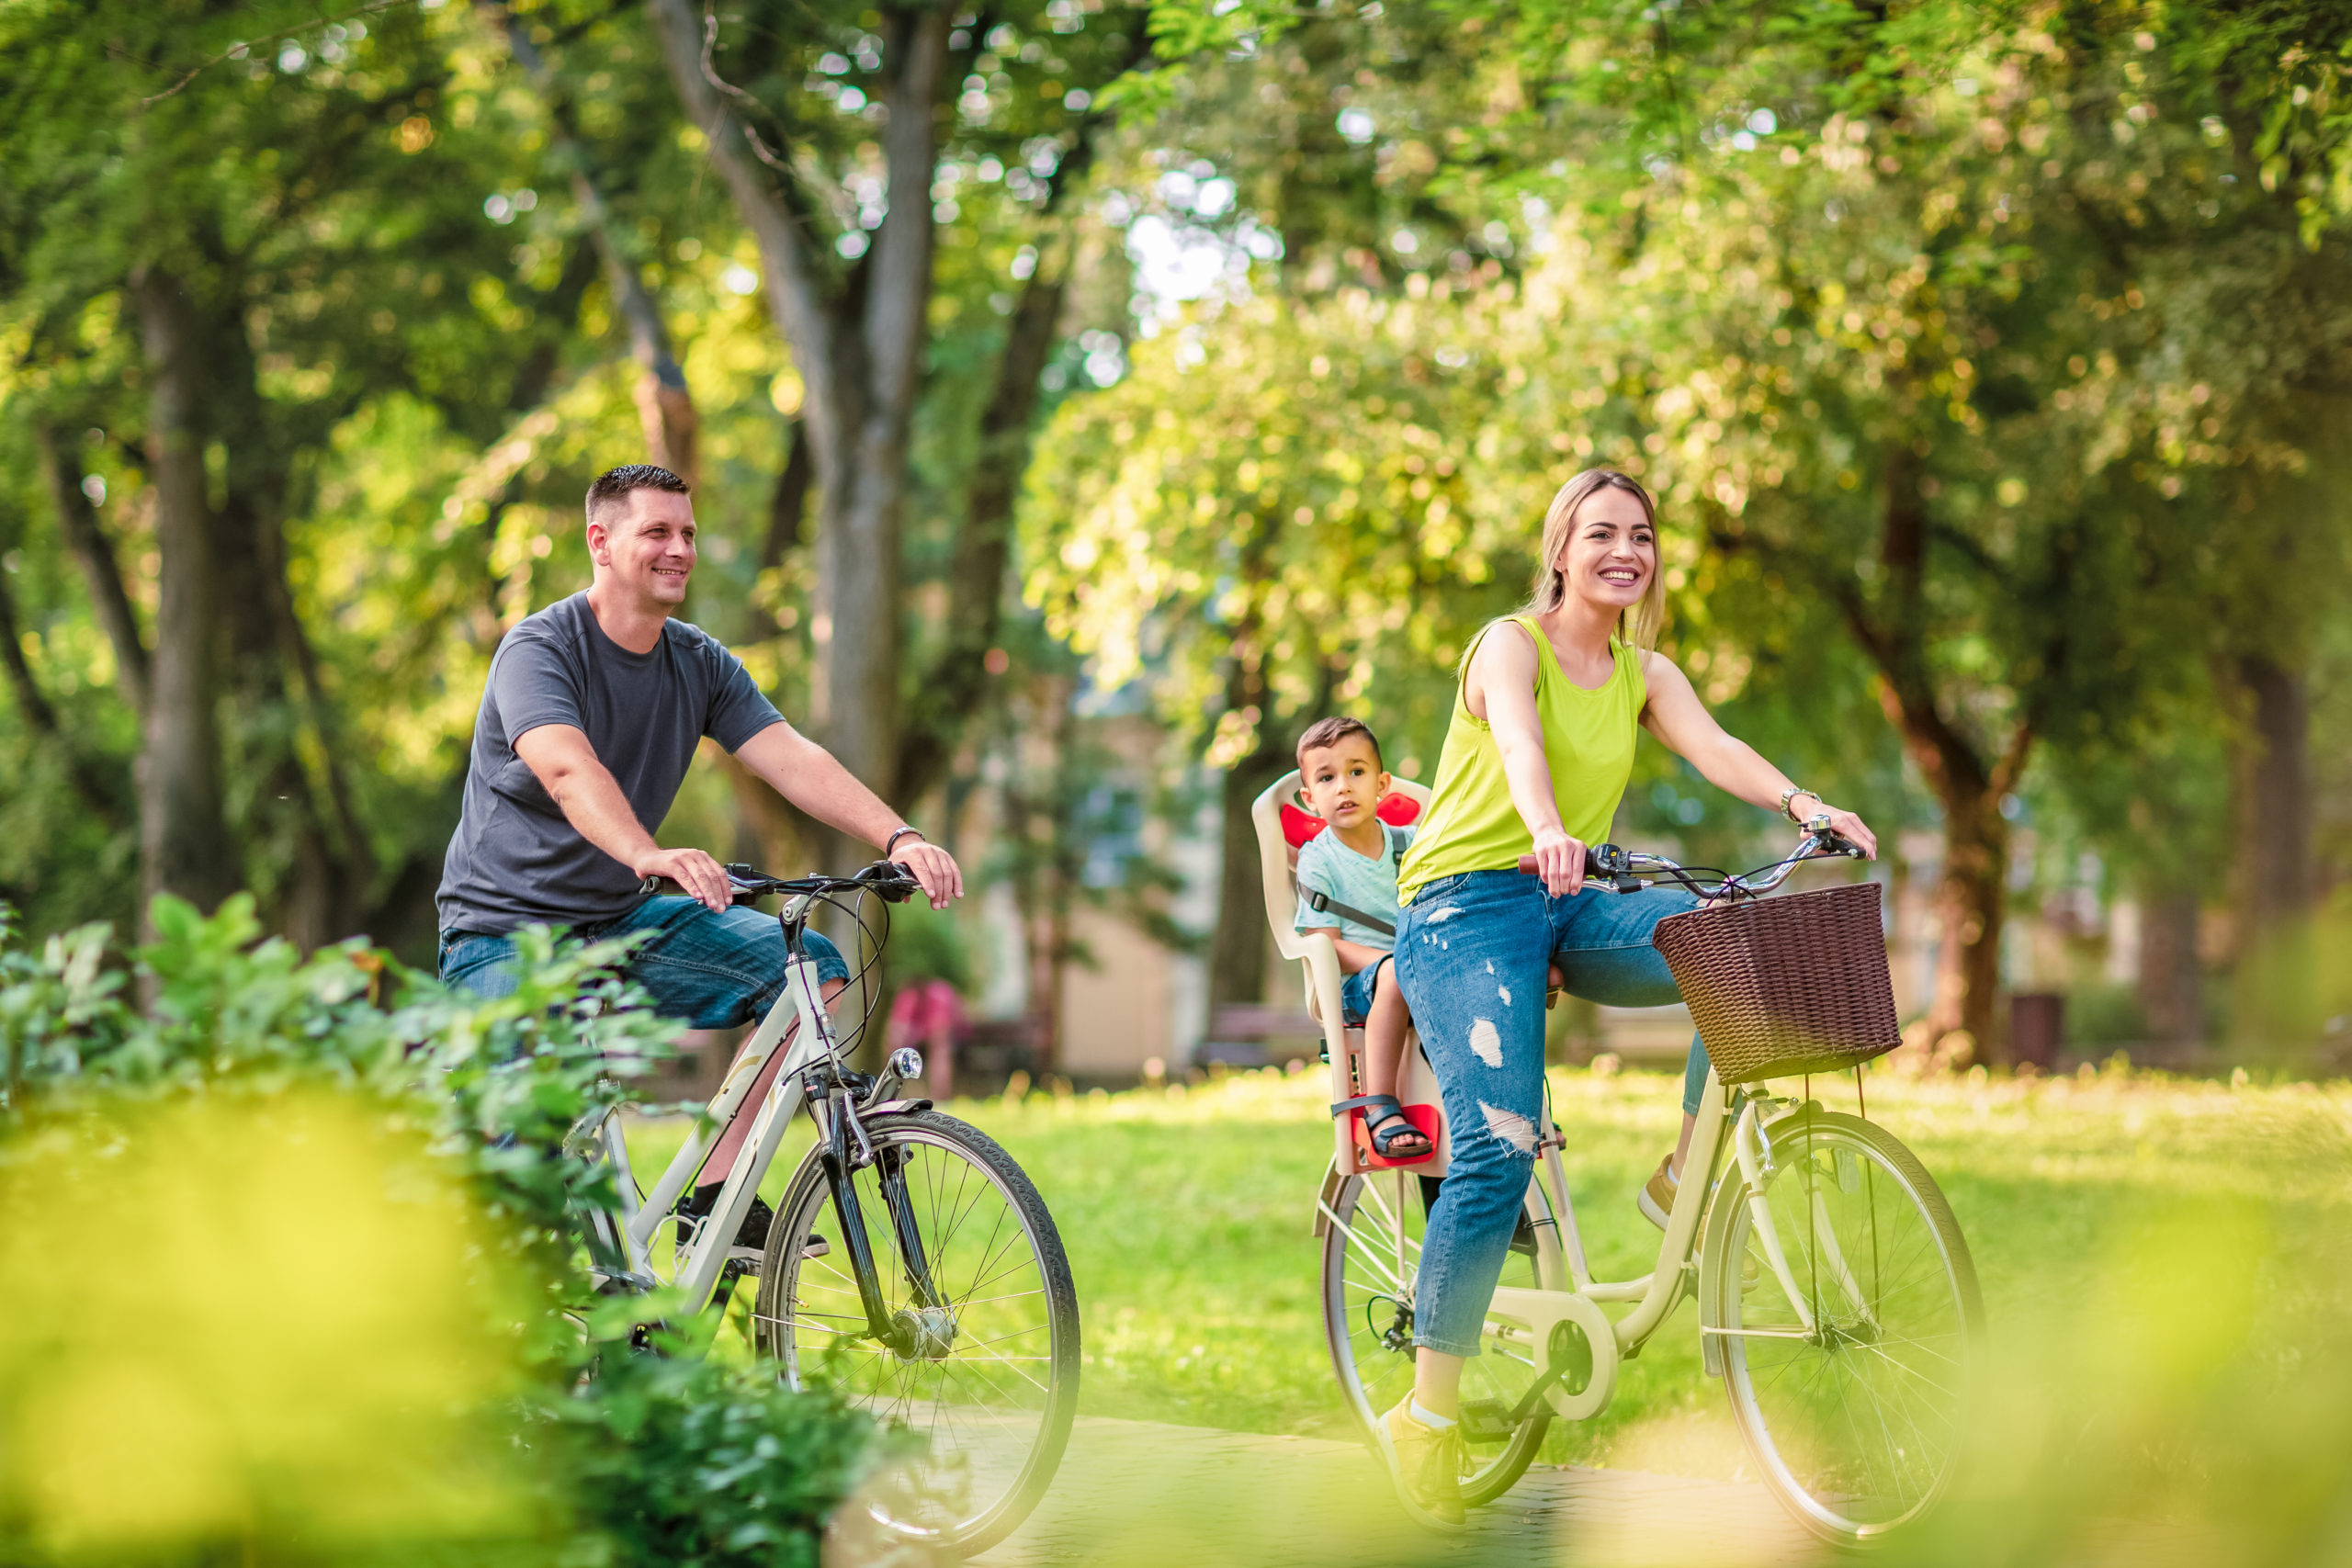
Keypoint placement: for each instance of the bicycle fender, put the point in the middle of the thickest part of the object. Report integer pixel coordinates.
(1715, 1235)
(1333, 1179)
(895, 1108)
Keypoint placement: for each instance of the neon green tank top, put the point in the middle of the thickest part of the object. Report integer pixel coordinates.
(1587, 739)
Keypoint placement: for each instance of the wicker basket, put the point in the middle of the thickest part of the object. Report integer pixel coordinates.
(1784, 986)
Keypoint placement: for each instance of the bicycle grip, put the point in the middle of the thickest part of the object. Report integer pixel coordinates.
(1600, 860)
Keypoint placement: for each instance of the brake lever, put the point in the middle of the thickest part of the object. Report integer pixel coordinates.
(889, 881)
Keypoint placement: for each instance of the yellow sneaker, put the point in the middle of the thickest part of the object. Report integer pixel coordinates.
(1657, 1200)
(1425, 1464)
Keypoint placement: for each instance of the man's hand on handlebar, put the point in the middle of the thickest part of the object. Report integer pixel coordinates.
(699, 876)
(1559, 860)
(935, 869)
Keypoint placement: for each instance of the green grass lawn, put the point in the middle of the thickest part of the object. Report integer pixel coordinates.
(1187, 1214)
(2167, 1266)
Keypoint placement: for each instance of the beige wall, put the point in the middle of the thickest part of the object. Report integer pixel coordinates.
(1123, 1011)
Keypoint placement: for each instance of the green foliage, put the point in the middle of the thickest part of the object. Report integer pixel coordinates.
(700, 1464)
(626, 1458)
(1295, 469)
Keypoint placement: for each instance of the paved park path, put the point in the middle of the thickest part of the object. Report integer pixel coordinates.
(1138, 1494)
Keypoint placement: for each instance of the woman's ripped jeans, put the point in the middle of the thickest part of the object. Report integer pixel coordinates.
(1471, 954)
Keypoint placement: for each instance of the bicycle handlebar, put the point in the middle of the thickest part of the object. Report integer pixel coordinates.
(887, 879)
(1624, 869)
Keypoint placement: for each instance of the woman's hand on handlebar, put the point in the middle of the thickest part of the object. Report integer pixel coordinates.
(1846, 825)
(1560, 861)
(935, 869)
(701, 876)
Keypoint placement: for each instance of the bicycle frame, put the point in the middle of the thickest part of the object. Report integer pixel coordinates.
(622, 1251)
(1538, 1314)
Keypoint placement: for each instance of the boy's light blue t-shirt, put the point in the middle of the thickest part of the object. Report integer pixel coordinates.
(1367, 883)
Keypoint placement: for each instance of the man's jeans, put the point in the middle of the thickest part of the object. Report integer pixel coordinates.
(714, 970)
(1471, 953)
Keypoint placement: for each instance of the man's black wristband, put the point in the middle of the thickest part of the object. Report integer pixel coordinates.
(892, 841)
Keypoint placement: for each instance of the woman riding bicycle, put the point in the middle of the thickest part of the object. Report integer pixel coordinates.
(1536, 759)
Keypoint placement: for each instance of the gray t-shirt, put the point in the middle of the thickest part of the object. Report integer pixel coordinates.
(515, 859)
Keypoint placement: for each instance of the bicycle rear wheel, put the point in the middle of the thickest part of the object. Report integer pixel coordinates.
(1853, 1391)
(984, 1380)
(1368, 1323)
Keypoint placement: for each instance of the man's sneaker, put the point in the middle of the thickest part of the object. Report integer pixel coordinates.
(1425, 1464)
(1657, 1202)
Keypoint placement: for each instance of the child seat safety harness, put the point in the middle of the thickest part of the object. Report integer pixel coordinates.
(1323, 903)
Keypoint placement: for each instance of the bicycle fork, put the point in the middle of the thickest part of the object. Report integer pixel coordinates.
(927, 1328)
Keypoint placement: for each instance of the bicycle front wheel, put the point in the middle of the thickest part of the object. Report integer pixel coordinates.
(1851, 1356)
(979, 1369)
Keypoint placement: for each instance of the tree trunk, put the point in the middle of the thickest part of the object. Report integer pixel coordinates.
(184, 836)
(86, 541)
(2277, 999)
(859, 354)
(2276, 800)
(1970, 891)
(2171, 980)
(789, 505)
(958, 679)
(1969, 899)
(1046, 891)
(1238, 949)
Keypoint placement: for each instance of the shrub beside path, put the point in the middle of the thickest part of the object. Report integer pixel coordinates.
(1140, 1494)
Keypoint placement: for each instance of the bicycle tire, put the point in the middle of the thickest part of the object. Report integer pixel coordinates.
(1888, 1275)
(796, 1287)
(1347, 1293)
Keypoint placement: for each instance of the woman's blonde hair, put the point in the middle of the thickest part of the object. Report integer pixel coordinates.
(1648, 616)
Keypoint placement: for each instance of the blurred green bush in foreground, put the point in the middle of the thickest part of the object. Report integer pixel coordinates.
(287, 1277)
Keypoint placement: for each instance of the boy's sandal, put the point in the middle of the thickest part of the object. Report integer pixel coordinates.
(1390, 1111)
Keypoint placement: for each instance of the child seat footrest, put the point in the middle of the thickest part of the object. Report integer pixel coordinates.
(1422, 1119)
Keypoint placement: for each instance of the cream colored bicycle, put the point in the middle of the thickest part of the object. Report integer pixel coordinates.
(1837, 1298)
(935, 1297)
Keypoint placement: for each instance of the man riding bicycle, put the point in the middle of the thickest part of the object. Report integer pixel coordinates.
(592, 715)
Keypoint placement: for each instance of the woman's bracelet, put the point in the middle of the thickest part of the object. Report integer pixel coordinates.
(1789, 797)
(892, 841)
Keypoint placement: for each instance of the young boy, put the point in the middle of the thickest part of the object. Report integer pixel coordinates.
(1347, 890)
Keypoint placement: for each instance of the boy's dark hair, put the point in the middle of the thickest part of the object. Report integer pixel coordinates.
(614, 484)
(1330, 731)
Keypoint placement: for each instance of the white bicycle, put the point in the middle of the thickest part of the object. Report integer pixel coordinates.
(911, 1265)
(1837, 1301)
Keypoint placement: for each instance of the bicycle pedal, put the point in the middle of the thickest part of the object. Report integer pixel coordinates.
(1485, 1420)
(745, 1260)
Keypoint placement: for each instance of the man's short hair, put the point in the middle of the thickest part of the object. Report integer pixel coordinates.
(612, 486)
(1328, 732)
